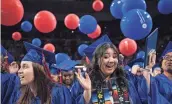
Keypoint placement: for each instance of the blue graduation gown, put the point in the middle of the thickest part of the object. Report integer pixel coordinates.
(137, 87)
(161, 90)
(10, 84)
(76, 89)
(140, 84)
(60, 95)
(143, 90)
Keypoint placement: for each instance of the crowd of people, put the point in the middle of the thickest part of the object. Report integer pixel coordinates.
(107, 79)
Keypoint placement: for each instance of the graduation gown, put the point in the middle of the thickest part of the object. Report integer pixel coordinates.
(140, 84)
(59, 93)
(161, 90)
(137, 89)
(76, 89)
(10, 84)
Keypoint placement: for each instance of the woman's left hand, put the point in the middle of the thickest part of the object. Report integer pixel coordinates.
(85, 82)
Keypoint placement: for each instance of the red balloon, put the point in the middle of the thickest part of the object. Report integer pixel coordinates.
(45, 21)
(71, 21)
(16, 36)
(97, 5)
(49, 47)
(127, 47)
(11, 12)
(96, 33)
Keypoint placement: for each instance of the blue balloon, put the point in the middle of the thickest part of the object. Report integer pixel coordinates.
(26, 26)
(60, 57)
(87, 24)
(116, 9)
(165, 6)
(37, 42)
(140, 54)
(136, 24)
(133, 4)
(81, 49)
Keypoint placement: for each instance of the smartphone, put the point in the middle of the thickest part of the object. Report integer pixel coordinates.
(151, 43)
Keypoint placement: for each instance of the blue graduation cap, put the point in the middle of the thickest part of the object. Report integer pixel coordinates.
(4, 52)
(67, 65)
(53, 69)
(89, 51)
(167, 49)
(36, 54)
(138, 61)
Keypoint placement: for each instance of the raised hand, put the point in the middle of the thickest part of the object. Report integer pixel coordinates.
(152, 59)
(85, 82)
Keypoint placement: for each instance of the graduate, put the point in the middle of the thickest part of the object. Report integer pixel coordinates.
(9, 82)
(68, 68)
(161, 85)
(35, 78)
(107, 83)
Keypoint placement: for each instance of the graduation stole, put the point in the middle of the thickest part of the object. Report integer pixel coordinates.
(120, 95)
(99, 96)
(114, 96)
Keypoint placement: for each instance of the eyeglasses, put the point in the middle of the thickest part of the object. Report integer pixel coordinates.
(167, 57)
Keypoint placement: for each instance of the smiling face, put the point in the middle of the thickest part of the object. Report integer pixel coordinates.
(108, 62)
(68, 77)
(167, 63)
(26, 73)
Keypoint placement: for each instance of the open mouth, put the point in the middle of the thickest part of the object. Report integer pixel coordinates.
(109, 66)
(21, 77)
